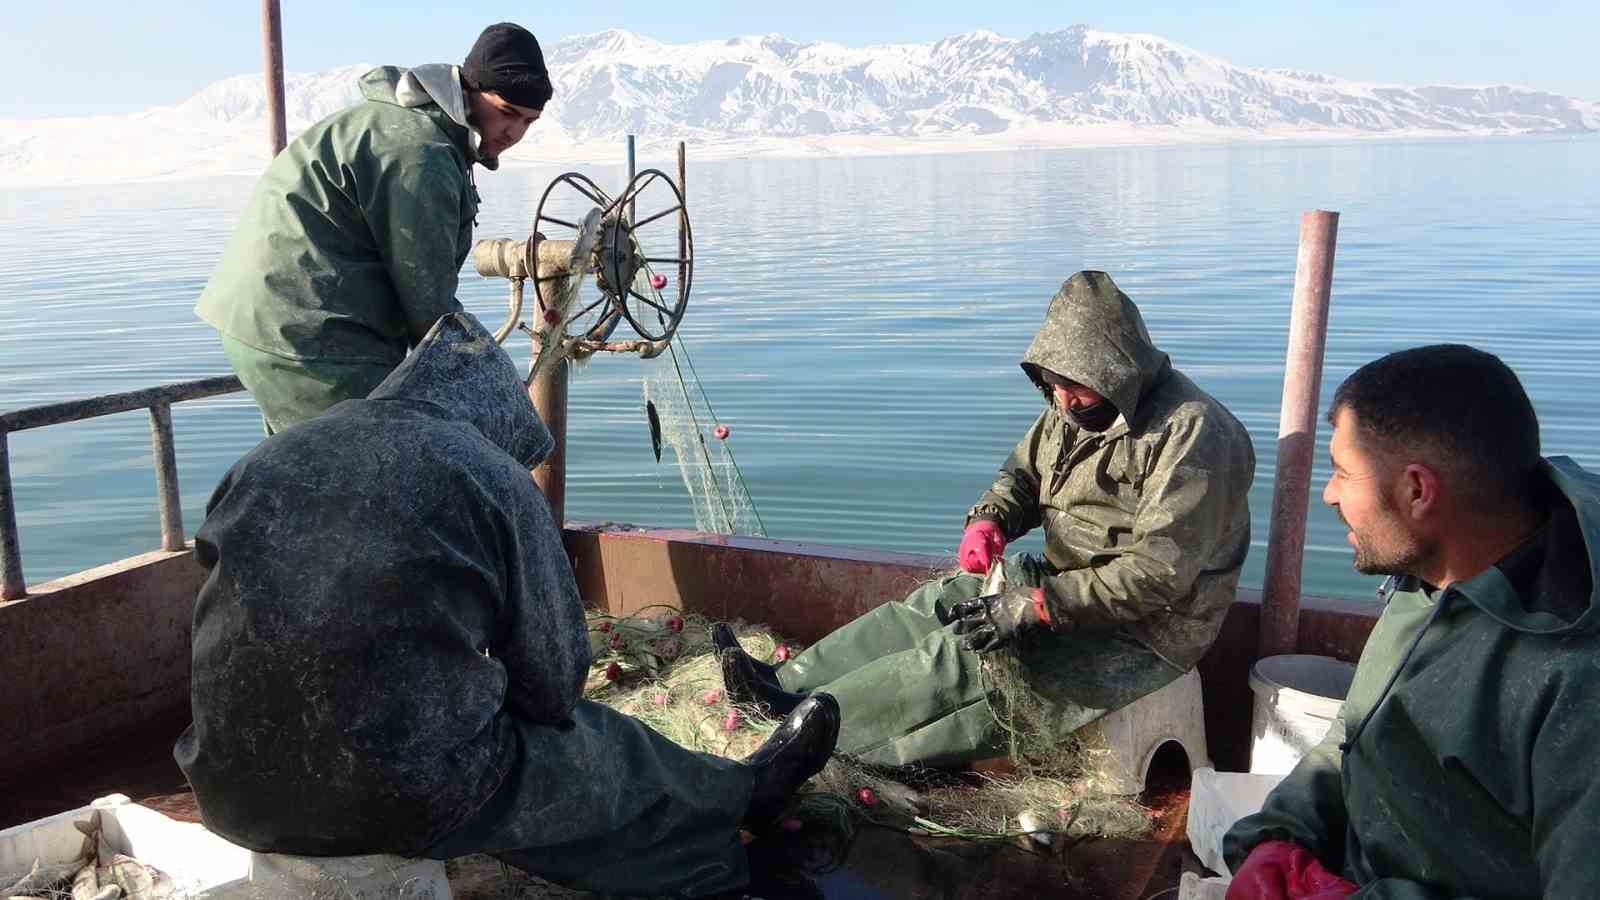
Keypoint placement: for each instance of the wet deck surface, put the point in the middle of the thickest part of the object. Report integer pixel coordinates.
(881, 864)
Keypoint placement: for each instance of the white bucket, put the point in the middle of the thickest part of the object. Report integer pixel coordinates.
(1297, 698)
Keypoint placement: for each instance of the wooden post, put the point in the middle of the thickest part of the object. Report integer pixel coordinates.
(1297, 433)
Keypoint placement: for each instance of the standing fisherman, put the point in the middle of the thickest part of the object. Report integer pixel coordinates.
(349, 249)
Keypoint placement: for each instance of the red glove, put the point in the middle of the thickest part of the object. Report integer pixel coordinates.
(1281, 870)
(981, 545)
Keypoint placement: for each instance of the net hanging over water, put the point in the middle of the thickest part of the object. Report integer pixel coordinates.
(688, 425)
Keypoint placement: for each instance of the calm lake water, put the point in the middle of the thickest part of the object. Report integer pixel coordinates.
(857, 322)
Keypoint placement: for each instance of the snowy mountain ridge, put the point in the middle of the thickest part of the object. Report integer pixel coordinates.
(768, 94)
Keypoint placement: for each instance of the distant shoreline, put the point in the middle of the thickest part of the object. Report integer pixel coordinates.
(233, 155)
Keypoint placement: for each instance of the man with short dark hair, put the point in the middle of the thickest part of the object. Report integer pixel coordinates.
(1140, 480)
(1462, 761)
(349, 249)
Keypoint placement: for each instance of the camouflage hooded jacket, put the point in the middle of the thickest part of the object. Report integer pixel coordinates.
(1146, 523)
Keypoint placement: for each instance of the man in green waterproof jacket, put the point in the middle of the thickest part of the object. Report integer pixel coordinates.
(1139, 479)
(1462, 761)
(349, 249)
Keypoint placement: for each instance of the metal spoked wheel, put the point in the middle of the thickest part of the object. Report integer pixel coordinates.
(651, 218)
(573, 204)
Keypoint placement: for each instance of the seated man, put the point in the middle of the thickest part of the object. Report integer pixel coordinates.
(1461, 763)
(390, 652)
(1140, 481)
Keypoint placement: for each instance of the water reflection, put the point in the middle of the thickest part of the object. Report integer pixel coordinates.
(858, 321)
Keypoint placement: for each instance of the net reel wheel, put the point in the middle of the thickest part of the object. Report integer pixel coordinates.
(651, 319)
(585, 236)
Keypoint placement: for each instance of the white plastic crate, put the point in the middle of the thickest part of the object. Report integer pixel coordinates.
(192, 857)
(202, 866)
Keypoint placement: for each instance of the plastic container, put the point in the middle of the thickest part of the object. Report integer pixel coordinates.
(192, 858)
(197, 864)
(1296, 700)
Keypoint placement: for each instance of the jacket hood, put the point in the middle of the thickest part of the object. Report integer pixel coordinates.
(438, 84)
(1094, 335)
(460, 369)
(1519, 591)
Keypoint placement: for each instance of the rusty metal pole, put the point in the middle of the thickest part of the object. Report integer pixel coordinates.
(12, 584)
(1297, 433)
(549, 395)
(272, 44)
(549, 390)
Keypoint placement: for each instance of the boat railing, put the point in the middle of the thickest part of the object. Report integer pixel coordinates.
(158, 400)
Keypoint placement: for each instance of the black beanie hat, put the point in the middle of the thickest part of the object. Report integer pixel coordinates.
(506, 59)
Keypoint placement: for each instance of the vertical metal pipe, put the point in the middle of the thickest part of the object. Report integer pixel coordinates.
(166, 459)
(1297, 433)
(683, 220)
(632, 170)
(272, 44)
(12, 584)
(549, 395)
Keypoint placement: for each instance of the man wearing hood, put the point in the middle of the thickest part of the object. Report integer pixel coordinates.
(1139, 479)
(349, 248)
(390, 652)
(1462, 761)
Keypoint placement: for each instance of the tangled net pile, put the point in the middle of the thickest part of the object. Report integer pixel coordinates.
(659, 667)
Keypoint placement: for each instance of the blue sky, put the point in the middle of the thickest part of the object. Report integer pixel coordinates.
(102, 56)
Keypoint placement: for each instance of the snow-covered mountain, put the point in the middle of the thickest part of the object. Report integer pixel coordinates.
(614, 81)
(767, 94)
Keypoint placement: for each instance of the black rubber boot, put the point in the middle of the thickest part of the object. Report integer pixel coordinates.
(723, 638)
(745, 684)
(795, 752)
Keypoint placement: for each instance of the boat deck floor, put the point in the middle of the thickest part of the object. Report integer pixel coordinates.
(881, 864)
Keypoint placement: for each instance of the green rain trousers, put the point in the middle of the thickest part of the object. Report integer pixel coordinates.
(290, 391)
(910, 694)
(607, 805)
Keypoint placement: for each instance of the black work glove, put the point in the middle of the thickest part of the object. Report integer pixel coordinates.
(995, 621)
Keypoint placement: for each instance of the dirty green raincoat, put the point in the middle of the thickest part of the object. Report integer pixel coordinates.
(1472, 774)
(1146, 527)
(350, 246)
(389, 653)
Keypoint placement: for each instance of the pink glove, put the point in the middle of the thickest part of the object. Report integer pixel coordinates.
(981, 545)
(1282, 870)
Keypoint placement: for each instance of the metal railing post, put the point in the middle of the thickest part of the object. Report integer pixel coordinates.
(158, 400)
(166, 459)
(12, 585)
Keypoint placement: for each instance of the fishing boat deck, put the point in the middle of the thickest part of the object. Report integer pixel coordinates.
(101, 716)
(881, 864)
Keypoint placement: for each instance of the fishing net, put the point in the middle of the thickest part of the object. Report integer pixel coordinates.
(682, 420)
(658, 666)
